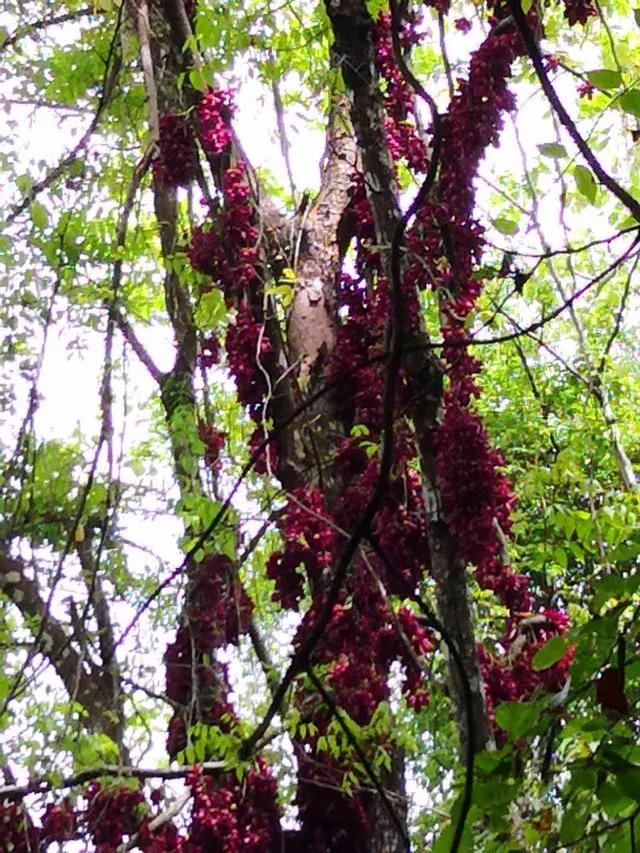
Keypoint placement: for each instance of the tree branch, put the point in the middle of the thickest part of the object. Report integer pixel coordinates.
(111, 72)
(53, 20)
(92, 692)
(632, 205)
(42, 784)
(136, 345)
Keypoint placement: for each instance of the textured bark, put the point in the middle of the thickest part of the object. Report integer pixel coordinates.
(453, 599)
(354, 54)
(311, 328)
(312, 322)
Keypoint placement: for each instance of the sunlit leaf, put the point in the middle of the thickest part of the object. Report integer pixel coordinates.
(585, 182)
(604, 78)
(505, 226)
(552, 651)
(552, 149)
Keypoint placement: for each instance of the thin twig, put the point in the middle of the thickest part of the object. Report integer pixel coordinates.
(158, 821)
(283, 138)
(632, 205)
(357, 748)
(43, 784)
(445, 56)
(28, 30)
(144, 30)
(111, 71)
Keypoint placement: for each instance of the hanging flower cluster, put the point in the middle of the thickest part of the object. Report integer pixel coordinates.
(206, 251)
(112, 815)
(176, 163)
(215, 111)
(59, 822)
(16, 830)
(228, 814)
(447, 243)
(250, 355)
(519, 680)
(226, 250)
(403, 138)
(217, 613)
(209, 350)
(579, 11)
(235, 816)
(365, 634)
(213, 441)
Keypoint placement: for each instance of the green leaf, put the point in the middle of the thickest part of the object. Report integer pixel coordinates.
(629, 783)
(505, 226)
(614, 588)
(560, 556)
(552, 149)
(197, 80)
(199, 749)
(585, 182)
(444, 841)
(611, 799)
(550, 653)
(630, 102)
(636, 16)
(375, 7)
(519, 718)
(572, 826)
(24, 183)
(76, 168)
(39, 215)
(604, 78)
(488, 762)
(211, 310)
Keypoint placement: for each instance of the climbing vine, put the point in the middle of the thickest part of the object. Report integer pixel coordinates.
(440, 593)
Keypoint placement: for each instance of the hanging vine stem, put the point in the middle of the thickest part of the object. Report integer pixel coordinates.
(470, 752)
(353, 743)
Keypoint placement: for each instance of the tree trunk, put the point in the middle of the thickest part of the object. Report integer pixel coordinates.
(353, 31)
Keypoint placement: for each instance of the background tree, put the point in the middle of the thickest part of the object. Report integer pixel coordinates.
(282, 547)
